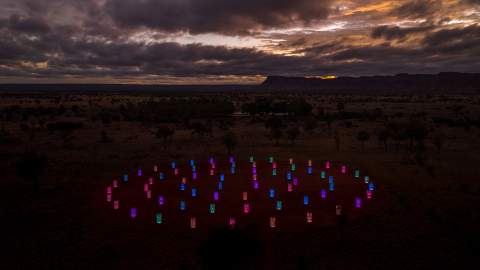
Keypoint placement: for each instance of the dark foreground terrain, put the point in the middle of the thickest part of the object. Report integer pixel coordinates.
(60, 150)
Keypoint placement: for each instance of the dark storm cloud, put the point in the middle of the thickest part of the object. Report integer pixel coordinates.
(42, 7)
(319, 49)
(10, 50)
(376, 54)
(219, 16)
(417, 9)
(455, 41)
(86, 39)
(27, 25)
(472, 1)
(395, 32)
(97, 58)
(298, 42)
(446, 50)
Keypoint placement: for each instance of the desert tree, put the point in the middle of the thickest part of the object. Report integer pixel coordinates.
(420, 155)
(200, 129)
(310, 124)
(275, 134)
(320, 111)
(397, 133)
(164, 133)
(230, 141)
(65, 129)
(5, 137)
(299, 107)
(416, 131)
(274, 122)
(329, 120)
(104, 138)
(362, 137)
(275, 126)
(439, 139)
(337, 138)
(225, 124)
(292, 134)
(382, 136)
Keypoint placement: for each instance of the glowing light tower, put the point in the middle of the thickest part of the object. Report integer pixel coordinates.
(231, 222)
(309, 217)
(245, 196)
(116, 205)
(279, 206)
(159, 218)
(273, 222)
(358, 202)
(246, 208)
(271, 193)
(323, 194)
(161, 200)
(183, 205)
(305, 200)
(193, 223)
(133, 212)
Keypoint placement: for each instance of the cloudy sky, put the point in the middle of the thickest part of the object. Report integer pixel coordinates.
(232, 41)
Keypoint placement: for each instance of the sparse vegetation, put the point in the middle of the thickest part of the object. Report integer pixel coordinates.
(420, 149)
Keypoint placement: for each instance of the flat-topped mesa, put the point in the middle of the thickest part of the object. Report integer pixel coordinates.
(448, 82)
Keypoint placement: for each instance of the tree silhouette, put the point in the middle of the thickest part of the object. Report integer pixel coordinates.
(310, 125)
(397, 132)
(164, 133)
(275, 134)
(274, 123)
(65, 129)
(230, 141)
(299, 107)
(292, 134)
(337, 138)
(5, 136)
(329, 120)
(363, 136)
(104, 138)
(382, 136)
(416, 131)
(200, 129)
(439, 139)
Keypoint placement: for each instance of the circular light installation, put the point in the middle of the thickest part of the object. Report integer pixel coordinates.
(277, 193)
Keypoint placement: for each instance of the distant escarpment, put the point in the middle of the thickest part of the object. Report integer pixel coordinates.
(442, 83)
